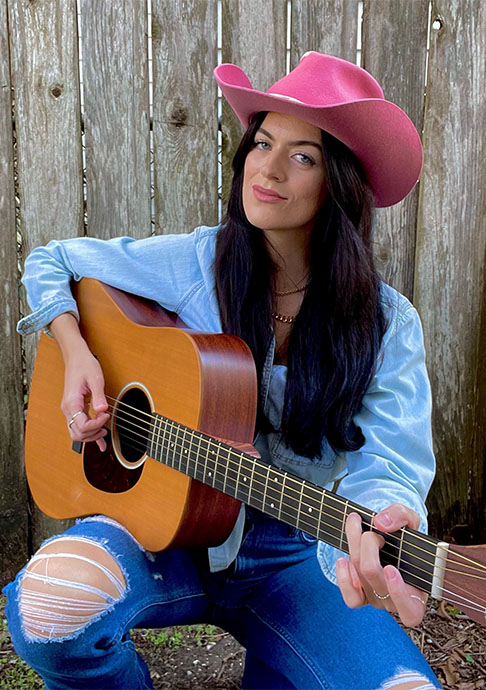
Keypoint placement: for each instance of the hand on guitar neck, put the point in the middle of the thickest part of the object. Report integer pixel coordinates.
(83, 383)
(362, 580)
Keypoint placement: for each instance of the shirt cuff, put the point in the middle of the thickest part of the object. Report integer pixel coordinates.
(40, 318)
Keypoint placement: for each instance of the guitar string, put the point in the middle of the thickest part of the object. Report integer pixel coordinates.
(465, 601)
(218, 445)
(383, 550)
(430, 542)
(460, 600)
(304, 522)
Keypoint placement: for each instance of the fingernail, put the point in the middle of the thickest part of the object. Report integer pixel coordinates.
(385, 519)
(390, 573)
(341, 564)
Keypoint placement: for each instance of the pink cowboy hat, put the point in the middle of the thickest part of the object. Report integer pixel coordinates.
(347, 102)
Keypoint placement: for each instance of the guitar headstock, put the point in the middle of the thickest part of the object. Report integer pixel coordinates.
(464, 580)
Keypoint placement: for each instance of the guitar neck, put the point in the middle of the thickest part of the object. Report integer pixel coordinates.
(292, 500)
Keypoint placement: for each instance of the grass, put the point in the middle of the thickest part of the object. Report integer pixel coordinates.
(15, 674)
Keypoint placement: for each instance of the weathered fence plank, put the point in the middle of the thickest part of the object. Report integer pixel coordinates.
(435, 253)
(394, 51)
(185, 129)
(13, 495)
(330, 27)
(243, 30)
(451, 245)
(50, 187)
(116, 120)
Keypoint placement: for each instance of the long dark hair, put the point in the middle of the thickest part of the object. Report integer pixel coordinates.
(335, 341)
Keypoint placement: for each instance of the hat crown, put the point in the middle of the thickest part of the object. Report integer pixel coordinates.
(347, 102)
(325, 80)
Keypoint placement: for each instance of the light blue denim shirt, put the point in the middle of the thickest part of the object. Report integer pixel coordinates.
(396, 462)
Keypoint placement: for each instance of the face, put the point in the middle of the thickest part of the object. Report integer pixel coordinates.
(284, 183)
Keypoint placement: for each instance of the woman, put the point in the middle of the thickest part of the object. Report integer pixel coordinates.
(343, 394)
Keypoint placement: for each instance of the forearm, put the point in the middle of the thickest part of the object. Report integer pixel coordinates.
(66, 332)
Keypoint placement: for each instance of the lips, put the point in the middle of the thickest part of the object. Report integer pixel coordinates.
(269, 195)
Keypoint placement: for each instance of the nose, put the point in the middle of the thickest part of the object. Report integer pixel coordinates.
(273, 167)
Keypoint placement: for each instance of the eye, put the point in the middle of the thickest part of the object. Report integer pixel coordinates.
(262, 145)
(305, 159)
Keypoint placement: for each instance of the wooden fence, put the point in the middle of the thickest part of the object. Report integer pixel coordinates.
(106, 164)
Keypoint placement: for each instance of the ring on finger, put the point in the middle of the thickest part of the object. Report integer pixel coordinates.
(416, 596)
(381, 597)
(71, 421)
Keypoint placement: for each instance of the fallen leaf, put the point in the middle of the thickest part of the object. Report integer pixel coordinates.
(450, 672)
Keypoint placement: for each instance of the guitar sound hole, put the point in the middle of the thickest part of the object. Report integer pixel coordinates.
(133, 424)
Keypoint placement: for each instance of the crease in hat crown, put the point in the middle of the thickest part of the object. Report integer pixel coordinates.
(346, 101)
(316, 80)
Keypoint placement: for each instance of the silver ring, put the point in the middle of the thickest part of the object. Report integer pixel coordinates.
(71, 421)
(381, 597)
(416, 596)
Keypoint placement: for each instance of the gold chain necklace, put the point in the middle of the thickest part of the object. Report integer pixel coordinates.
(282, 318)
(290, 292)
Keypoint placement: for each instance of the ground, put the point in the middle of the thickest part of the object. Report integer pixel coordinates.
(202, 657)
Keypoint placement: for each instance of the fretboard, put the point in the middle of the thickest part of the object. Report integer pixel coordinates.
(295, 501)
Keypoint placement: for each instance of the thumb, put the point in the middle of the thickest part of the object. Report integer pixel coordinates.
(98, 399)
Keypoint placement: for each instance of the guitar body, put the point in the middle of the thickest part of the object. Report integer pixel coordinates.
(204, 381)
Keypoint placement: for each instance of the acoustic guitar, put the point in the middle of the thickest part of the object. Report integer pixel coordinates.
(180, 461)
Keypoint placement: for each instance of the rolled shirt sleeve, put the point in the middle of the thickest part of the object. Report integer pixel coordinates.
(164, 268)
(396, 463)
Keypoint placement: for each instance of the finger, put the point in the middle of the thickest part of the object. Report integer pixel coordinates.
(349, 583)
(83, 424)
(97, 387)
(88, 438)
(372, 571)
(396, 516)
(354, 533)
(410, 602)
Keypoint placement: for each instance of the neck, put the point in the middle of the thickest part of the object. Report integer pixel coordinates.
(289, 251)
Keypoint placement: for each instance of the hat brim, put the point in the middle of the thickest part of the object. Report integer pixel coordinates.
(378, 132)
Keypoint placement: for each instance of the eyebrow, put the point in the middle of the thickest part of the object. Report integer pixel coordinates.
(298, 142)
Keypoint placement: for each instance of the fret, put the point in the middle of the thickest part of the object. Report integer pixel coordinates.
(192, 456)
(321, 513)
(175, 443)
(299, 509)
(399, 559)
(274, 492)
(164, 436)
(244, 477)
(225, 470)
(330, 524)
(343, 533)
(177, 446)
(282, 493)
(155, 434)
(232, 471)
(198, 470)
(265, 488)
(237, 482)
(290, 503)
(254, 498)
(211, 467)
(183, 450)
(206, 450)
(309, 508)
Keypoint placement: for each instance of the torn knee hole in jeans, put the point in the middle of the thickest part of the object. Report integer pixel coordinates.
(408, 680)
(69, 583)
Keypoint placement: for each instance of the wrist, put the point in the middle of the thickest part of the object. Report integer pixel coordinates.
(66, 332)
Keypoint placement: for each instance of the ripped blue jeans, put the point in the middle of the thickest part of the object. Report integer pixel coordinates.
(273, 599)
